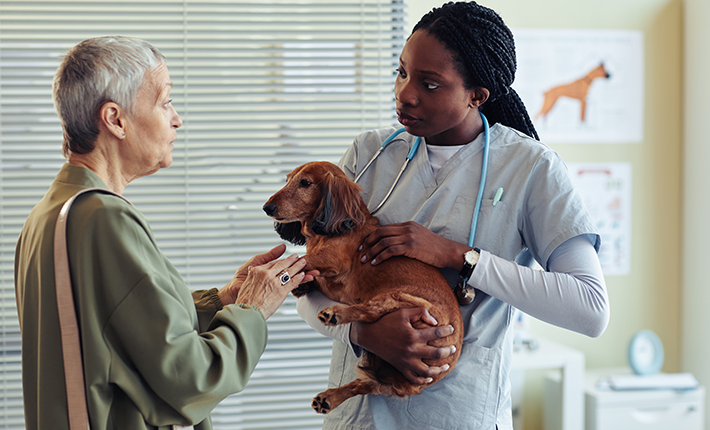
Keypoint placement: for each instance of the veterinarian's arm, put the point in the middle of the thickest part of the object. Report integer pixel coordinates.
(571, 295)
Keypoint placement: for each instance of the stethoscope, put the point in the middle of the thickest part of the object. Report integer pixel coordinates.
(410, 155)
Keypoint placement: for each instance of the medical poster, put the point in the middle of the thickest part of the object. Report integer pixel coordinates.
(606, 191)
(582, 86)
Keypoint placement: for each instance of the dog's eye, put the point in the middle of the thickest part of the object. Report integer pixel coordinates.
(305, 183)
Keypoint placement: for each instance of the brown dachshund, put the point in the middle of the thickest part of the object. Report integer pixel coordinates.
(576, 90)
(321, 208)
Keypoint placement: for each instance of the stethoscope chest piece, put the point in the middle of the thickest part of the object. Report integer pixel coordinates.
(464, 294)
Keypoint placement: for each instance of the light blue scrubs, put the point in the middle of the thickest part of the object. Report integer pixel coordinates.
(538, 211)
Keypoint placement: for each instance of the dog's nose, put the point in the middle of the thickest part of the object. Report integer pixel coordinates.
(270, 209)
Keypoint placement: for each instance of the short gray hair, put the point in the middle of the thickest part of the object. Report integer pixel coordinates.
(94, 72)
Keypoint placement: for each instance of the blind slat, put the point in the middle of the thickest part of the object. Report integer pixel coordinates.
(262, 87)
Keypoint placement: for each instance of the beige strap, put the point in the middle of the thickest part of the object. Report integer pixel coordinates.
(71, 346)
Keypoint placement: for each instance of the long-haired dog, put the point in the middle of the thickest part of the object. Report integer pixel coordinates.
(321, 208)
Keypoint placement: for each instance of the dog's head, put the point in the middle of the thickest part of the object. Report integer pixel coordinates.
(317, 199)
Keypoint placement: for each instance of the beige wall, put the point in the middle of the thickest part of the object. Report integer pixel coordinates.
(649, 297)
(695, 319)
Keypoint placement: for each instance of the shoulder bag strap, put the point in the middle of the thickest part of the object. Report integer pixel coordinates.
(71, 346)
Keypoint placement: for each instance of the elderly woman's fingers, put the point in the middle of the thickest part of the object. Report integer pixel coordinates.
(288, 267)
(267, 286)
(268, 256)
(228, 294)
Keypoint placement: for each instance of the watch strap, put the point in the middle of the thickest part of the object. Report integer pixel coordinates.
(464, 292)
(467, 269)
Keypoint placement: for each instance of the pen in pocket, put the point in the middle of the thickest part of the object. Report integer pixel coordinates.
(498, 195)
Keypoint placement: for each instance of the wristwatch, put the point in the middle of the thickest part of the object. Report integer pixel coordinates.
(470, 259)
(464, 292)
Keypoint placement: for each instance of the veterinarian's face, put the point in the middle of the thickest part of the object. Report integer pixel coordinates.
(151, 129)
(432, 101)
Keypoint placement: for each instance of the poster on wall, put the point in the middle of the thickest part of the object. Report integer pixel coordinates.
(582, 86)
(606, 191)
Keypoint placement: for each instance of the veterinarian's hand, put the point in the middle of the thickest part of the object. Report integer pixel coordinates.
(395, 339)
(415, 241)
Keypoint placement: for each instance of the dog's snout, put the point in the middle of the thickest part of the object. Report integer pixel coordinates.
(270, 209)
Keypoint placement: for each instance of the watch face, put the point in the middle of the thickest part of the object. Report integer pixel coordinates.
(646, 353)
(471, 257)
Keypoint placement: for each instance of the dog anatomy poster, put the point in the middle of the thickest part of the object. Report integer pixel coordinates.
(606, 191)
(582, 86)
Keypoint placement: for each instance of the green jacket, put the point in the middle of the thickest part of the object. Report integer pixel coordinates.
(154, 354)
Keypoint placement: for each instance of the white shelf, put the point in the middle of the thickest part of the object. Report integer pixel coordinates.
(607, 409)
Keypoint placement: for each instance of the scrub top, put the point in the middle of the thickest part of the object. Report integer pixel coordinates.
(538, 211)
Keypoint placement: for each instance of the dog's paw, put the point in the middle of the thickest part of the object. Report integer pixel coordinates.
(328, 317)
(320, 404)
(299, 291)
(304, 289)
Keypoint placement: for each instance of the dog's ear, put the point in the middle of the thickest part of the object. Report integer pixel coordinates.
(290, 232)
(341, 208)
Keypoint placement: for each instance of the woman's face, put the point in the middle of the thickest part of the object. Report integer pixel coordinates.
(151, 130)
(432, 101)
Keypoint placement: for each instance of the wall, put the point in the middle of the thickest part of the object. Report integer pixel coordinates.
(649, 297)
(696, 199)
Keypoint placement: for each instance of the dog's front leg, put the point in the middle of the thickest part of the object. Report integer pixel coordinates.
(372, 310)
(332, 398)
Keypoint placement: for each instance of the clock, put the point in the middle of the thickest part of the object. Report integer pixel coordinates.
(646, 353)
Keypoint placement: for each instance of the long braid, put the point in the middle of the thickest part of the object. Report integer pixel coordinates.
(484, 53)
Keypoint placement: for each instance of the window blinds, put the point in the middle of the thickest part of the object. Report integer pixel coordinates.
(262, 87)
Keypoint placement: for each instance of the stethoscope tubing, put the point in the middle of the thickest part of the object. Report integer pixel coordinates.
(482, 185)
(410, 155)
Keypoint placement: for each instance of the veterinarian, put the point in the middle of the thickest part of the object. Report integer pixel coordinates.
(154, 355)
(459, 63)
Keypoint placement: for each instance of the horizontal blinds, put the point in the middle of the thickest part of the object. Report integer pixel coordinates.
(262, 87)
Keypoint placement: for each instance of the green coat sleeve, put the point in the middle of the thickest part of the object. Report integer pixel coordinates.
(207, 304)
(139, 307)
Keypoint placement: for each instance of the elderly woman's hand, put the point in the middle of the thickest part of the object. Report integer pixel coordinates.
(258, 283)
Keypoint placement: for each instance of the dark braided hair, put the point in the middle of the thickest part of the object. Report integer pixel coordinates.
(483, 52)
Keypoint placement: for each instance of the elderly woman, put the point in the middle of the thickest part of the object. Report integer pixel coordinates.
(154, 355)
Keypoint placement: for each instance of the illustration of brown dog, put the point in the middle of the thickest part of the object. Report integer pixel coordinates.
(321, 208)
(575, 90)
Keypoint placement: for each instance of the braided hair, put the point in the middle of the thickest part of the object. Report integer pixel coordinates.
(483, 52)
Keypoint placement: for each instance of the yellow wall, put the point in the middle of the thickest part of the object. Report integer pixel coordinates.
(649, 297)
